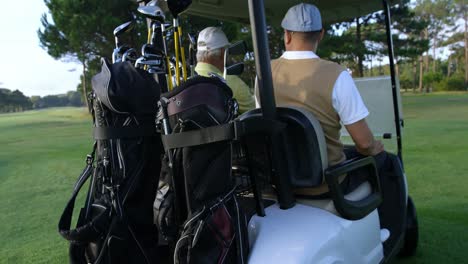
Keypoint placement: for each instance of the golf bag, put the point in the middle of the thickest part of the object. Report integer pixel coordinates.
(212, 229)
(116, 223)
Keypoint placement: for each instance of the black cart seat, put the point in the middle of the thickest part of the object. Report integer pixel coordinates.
(305, 154)
(304, 145)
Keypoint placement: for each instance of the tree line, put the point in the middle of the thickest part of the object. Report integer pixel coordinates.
(82, 31)
(16, 101)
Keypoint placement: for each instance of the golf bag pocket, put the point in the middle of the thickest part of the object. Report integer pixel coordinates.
(214, 234)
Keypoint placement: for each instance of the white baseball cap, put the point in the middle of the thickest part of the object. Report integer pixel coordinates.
(212, 38)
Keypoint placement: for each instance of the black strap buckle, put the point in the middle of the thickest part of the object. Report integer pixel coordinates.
(89, 159)
(90, 156)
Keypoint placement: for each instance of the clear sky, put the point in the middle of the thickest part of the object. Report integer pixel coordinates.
(24, 65)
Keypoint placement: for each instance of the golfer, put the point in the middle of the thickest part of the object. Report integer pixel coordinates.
(211, 45)
(326, 89)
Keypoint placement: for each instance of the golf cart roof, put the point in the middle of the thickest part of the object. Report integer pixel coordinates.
(238, 11)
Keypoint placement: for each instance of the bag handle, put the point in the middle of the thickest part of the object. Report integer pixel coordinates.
(92, 229)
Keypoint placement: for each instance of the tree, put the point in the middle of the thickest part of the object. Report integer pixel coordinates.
(438, 13)
(346, 43)
(360, 30)
(13, 101)
(461, 11)
(83, 30)
(35, 100)
(74, 98)
(365, 38)
(408, 42)
(454, 44)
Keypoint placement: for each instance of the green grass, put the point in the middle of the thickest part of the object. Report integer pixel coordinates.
(42, 153)
(436, 160)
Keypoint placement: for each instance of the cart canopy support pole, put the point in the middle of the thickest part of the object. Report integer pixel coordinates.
(267, 98)
(396, 108)
(262, 58)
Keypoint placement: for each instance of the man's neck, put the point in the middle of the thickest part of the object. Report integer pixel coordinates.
(218, 64)
(302, 47)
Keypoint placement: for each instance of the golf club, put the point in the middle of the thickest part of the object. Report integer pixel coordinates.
(192, 53)
(238, 48)
(164, 29)
(156, 38)
(176, 7)
(118, 31)
(130, 55)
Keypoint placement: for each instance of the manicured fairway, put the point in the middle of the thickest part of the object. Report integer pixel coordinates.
(436, 159)
(42, 153)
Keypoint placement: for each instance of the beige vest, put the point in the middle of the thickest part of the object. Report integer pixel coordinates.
(308, 83)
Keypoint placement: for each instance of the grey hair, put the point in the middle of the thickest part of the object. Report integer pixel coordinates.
(204, 55)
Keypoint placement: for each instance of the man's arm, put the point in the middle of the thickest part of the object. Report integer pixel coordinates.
(349, 105)
(364, 139)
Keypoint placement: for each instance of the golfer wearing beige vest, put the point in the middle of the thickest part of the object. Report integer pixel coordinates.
(301, 78)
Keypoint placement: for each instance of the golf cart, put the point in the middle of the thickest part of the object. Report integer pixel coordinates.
(268, 152)
(345, 228)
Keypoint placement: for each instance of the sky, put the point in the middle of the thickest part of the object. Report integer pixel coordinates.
(24, 65)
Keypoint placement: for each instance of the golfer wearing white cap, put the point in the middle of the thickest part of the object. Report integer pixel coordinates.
(210, 59)
(301, 78)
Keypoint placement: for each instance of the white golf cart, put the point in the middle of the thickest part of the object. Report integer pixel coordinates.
(343, 228)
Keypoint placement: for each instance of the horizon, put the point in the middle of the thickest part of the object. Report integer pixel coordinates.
(29, 96)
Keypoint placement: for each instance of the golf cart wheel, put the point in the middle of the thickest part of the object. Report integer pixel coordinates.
(410, 243)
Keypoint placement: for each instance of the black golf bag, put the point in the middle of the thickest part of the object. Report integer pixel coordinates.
(116, 223)
(211, 227)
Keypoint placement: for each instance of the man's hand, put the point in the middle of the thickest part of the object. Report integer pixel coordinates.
(378, 147)
(364, 139)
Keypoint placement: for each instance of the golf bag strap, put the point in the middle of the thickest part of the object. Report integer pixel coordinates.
(227, 132)
(200, 137)
(102, 133)
(91, 230)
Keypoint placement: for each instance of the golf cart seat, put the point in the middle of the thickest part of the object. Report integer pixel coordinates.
(305, 155)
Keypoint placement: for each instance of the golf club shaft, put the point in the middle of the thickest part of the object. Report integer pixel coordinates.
(148, 40)
(192, 70)
(116, 42)
(176, 44)
(191, 56)
(168, 68)
(182, 53)
(169, 74)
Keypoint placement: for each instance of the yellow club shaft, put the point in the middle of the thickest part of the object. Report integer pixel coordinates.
(176, 44)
